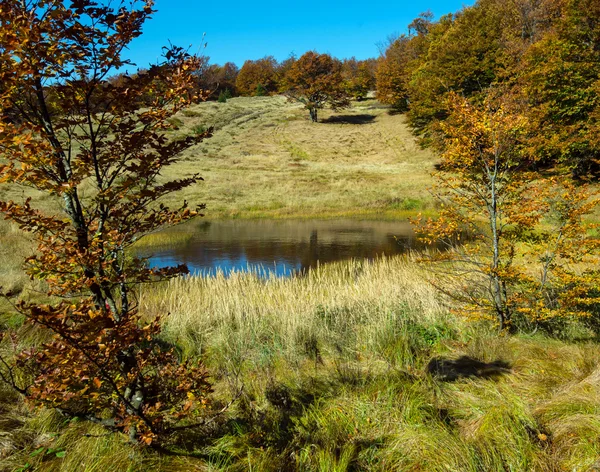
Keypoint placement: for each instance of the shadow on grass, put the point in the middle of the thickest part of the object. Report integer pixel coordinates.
(397, 111)
(449, 370)
(350, 119)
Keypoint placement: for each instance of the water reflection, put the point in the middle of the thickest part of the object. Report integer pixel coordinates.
(278, 247)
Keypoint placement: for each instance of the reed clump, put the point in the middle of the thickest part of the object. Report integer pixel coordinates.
(340, 306)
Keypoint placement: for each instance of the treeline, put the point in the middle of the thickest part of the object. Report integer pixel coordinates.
(542, 55)
(267, 76)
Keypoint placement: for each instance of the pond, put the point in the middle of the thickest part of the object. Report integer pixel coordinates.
(276, 247)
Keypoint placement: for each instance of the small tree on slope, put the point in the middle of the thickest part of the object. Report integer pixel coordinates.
(65, 128)
(316, 80)
(529, 251)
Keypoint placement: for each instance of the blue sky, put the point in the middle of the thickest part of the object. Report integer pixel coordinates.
(236, 31)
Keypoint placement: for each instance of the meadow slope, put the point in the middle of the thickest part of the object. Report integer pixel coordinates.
(266, 159)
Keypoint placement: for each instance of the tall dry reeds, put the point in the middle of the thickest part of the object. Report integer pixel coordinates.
(337, 306)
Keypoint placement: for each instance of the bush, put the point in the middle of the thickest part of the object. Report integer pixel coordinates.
(261, 91)
(224, 95)
(199, 129)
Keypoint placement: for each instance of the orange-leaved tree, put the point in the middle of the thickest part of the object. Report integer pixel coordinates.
(72, 134)
(393, 72)
(562, 257)
(316, 81)
(525, 251)
(482, 192)
(359, 77)
(257, 77)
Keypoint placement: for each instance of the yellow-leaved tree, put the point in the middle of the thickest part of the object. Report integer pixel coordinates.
(519, 247)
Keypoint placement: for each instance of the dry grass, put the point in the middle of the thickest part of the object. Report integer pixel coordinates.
(266, 159)
(333, 369)
(355, 338)
(357, 296)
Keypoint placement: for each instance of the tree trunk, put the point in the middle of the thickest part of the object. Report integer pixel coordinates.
(498, 287)
(313, 115)
(71, 198)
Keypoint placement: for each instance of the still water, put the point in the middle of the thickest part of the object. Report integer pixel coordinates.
(279, 248)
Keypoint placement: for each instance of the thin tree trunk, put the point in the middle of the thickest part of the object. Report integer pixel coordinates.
(71, 198)
(498, 293)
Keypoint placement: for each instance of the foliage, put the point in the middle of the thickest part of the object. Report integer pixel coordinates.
(282, 69)
(224, 95)
(391, 82)
(545, 51)
(561, 82)
(359, 77)
(565, 250)
(482, 194)
(221, 79)
(514, 261)
(261, 91)
(82, 140)
(397, 62)
(315, 80)
(257, 77)
(212, 79)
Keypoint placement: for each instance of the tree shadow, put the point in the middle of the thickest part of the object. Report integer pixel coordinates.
(350, 119)
(397, 111)
(449, 370)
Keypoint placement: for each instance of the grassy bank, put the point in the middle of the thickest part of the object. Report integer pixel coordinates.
(333, 369)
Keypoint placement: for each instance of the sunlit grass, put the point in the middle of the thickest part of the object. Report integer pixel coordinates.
(332, 363)
(266, 159)
(355, 296)
(333, 368)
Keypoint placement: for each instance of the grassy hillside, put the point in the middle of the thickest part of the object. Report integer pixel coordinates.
(267, 159)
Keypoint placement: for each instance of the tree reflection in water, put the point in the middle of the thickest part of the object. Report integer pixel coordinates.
(280, 248)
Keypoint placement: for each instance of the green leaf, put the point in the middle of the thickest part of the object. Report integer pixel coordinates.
(61, 454)
(37, 451)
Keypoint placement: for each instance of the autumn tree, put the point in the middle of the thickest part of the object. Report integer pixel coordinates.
(257, 77)
(101, 159)
(547, 50)
(560, 79)
(565, 254)
(316, 81)
(215, 79)
(226, 77)
(392, 74)
(482, 192)
(282, 69)
(463, 55)
(521, 236)
(359, 77)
